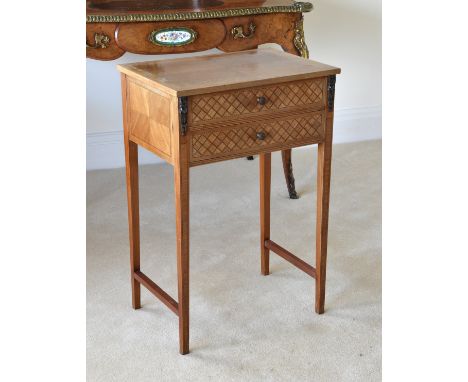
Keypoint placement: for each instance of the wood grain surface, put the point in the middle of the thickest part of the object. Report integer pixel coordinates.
(324, 157)
(265, 194)
(134, 37)
(226, 71)
(131, 167)
(280, 131)
(182, 198)
(150, 119)
(112, 51)
(288, 97)
(275, 28)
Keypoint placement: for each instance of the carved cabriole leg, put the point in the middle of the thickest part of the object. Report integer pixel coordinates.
(299, 39)
(285, 29)
(323, 200)
(181, 188)
(298, 47)
(131, 167)
(288, 173)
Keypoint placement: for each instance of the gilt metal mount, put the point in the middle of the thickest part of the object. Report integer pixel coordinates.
(331, 92)
(299, 39)
(183, 110)
(238, 31)
(297, 7)
(101, 41)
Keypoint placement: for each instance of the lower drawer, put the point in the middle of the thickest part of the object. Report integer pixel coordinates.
(211, 145)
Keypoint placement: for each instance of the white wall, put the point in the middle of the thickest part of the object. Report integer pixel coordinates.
(338, 32)
(347, 33)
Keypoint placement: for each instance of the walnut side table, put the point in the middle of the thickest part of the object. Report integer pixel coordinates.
(200, 110)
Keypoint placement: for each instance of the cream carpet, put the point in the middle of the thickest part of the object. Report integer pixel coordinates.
(244, 326)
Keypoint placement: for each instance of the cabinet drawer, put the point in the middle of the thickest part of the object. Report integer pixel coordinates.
(278, 28)
(211, 145)
(200, 35)
(257, 100)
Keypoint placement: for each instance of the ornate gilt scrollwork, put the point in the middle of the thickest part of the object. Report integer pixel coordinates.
(238, 31)
(101, 41)
(299, 40)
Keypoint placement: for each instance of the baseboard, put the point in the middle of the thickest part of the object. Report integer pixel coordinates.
(357, 124)
(106, 150)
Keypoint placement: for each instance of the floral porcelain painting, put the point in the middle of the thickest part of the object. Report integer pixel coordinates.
(173, 36)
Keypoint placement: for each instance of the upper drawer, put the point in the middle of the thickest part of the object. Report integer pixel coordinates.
(174, 36)
(265, 99)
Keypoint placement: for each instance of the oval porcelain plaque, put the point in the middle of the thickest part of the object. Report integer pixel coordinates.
(176, 36)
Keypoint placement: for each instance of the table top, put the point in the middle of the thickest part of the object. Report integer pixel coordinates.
(226, 71)
(157, 10)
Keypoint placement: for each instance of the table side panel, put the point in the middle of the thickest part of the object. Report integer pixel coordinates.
(150, 119)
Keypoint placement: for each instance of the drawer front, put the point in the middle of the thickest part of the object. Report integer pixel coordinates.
(214, 144)
(248, 32)
(140, 37)
(100, 42)
(257, 100)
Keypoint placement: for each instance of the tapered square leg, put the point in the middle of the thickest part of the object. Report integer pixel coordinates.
(131, 151)
(181, 187)
(323, 200)
(265, 191)
(131, 167)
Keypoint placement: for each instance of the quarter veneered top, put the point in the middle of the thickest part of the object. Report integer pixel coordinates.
(225, 71)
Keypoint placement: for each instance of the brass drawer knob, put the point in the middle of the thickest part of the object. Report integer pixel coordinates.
(261, 135)
(261, 100)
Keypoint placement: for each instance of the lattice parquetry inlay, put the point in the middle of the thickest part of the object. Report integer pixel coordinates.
(221, 105)
(219, 142)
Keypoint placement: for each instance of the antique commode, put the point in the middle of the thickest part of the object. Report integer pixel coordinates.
(114, 27)
(192, 111)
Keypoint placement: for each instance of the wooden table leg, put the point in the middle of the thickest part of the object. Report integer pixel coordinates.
(181, 187)
(265, 191)
(131, 167)
(323, 199)
(131, 163)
